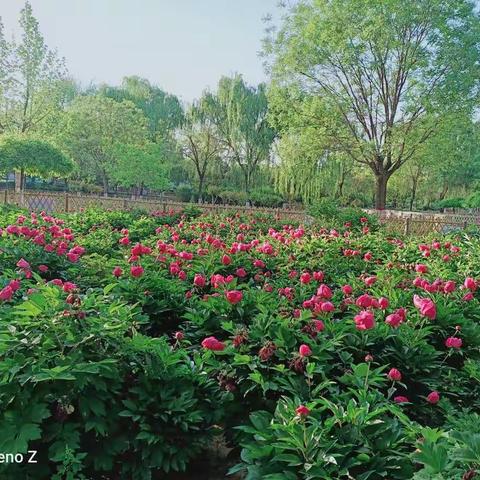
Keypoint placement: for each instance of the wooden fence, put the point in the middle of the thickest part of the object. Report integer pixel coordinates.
(64, 202)
(408, 223)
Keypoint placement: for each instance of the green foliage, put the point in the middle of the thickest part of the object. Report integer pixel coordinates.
(95, 382)
(140, 165)
(33, 156)
(110, 377)
(335, 79)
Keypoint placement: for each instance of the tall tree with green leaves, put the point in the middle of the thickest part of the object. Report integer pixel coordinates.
(374, 78)
(163, 111)
(93, 126)
(240, 115)
(200, 143)
(139, 166)
(30, 81)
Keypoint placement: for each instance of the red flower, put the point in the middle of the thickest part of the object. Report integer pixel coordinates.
(347, 290)
(394, 320)
(453, 342)
(69, 286)
(319, 325)
(136, 271)
(394, 375)
(22, 263)
(305, 278)
(327, 307)
(199, 280)
(241, 272)
(364, 301)
(117, 272)
(226, 260)
(318, 276)
(304, 350)
(124, 241)
(426, 307)
(400, 399)
(6, 293)
(179, 336)
(43, 268)
(364, 320)
(72, 257)
(234, 296)
(433, 397)
(449, 286)
(469, 283)
(383, 303)
(14, 284)
(324, 291)
(421, 268)
(211, 343)
(302, 411)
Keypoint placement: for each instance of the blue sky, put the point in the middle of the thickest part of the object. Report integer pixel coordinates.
(183, 46)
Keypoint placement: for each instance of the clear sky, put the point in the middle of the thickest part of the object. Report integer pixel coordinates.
(183, 46)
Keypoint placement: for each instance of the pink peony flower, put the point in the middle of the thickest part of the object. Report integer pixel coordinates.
(365, 320)
(302, 411)
(304, 350)
(453, 342)
(394, 375)
(234, 296)
(199, 280)
(425, 306)
(117, 272)
(433, 397)
(136, 271)
(211, 343)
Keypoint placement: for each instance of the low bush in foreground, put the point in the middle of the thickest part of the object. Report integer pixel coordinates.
(130, 344)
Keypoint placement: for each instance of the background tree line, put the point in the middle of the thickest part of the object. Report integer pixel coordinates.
(368, 103)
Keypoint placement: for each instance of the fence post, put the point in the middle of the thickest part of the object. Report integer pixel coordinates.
(124, 203)
(6, 195)
(66, 202)
(407, 226)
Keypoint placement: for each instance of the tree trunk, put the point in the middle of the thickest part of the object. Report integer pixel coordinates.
(414, 192)
(18, 181)
(381, 191)
(443, 193)
(200, 189)
(105, 185)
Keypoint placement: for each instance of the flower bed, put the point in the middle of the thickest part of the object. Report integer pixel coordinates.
(130, 342)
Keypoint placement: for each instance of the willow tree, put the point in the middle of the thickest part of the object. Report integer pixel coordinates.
(163, 111)
(385, 73)
(239, 112)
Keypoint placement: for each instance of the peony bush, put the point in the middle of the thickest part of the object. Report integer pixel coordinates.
(130, 341)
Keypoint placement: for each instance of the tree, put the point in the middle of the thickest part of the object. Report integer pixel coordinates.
(29, 80)
(138, 166)
(381, 75)
(200, 143)
(33, 156)
(92, 126)
(163, 111)
(240, 116)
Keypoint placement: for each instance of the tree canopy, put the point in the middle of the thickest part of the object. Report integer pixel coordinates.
(33, 156)
(374, 79)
